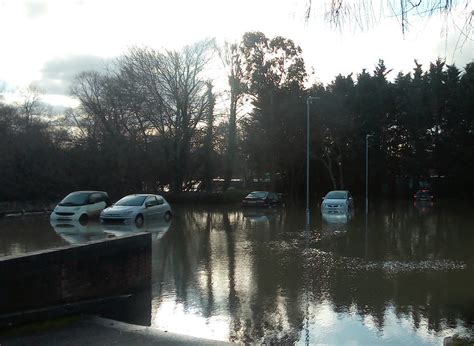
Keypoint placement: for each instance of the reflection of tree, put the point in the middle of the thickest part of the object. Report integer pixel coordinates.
(209, 255)
(234, 302)
(19, 236)
(400, 233)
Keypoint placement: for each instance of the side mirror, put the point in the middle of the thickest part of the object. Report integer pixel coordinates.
(322, 198)
(148, 204)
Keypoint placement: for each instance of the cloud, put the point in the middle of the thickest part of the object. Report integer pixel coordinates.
(36, 8)
(58, 73)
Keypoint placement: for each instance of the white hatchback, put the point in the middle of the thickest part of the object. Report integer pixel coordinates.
(337, 202)
(80, 205)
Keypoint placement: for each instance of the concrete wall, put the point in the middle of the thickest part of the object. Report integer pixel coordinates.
(75, 273)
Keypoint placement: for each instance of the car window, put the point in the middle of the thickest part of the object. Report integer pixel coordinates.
(131, 201)
(160, 200)
(151, 201)
(75, 199)
(257, 194)
(337, 195)
(95, 198)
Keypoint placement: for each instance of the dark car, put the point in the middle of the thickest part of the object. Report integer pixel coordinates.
(261, 199)
(423, 195)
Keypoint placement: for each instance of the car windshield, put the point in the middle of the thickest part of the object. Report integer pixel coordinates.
(75, 199)
(257, 194)
(422, 194)
(131, 201)
(336, 195)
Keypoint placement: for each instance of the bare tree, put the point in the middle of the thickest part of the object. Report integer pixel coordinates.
(231, 58)
(175, 97)
(365, 13)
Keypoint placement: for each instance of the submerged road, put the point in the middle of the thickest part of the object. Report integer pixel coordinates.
(92, 331)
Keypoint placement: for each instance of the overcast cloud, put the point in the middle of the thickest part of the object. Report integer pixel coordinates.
(48, 42)
(58, 74)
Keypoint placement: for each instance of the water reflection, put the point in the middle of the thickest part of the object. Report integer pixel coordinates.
(423, 207)
(242, 276)
(27, 234)
(157, 228)
(251, 276)
(335, 223)
(75, 232)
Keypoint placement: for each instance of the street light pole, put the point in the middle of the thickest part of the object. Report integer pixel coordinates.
(367, 174)
(308, 103)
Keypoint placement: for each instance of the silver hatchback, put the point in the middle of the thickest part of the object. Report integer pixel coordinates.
(138, 208)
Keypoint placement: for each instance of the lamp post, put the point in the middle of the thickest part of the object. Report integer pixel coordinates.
(367, 174)
(308, 103)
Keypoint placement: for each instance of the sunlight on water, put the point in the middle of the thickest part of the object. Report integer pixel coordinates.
(254, 276)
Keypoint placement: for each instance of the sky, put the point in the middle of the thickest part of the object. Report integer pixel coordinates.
(47, 42)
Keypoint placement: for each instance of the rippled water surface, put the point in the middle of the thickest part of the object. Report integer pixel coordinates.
(252, 276)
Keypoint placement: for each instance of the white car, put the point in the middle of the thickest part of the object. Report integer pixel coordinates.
(80, 205)
(337, 202)
(138, 208)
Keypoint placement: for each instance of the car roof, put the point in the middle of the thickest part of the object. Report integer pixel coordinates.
(142, 194)
(89, 191)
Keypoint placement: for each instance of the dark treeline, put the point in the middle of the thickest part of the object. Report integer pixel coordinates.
(154, 121)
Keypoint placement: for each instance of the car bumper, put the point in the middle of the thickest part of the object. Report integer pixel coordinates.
(108, 218)
(334, 210)
(59, 217)
(254, 204)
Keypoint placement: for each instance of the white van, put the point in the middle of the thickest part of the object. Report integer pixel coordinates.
(80, 205)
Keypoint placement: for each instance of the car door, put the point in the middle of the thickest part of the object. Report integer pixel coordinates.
(350, 201)
(162, 208)
(151, 209)
(96, 204)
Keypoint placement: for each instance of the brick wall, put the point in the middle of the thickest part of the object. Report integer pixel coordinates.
(75, 273)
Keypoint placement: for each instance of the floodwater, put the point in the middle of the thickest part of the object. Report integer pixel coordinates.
(404, 276)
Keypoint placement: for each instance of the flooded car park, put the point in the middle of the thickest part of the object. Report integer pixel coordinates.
(252, 276)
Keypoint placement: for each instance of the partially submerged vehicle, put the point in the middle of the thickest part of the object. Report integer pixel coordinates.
(262, 199)
(80, 205)
(423, 195)
(137, 208)
(337, 202)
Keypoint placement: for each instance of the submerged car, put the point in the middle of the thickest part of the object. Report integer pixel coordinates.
(80, 205)
(261, 199)
(423, 195)
(137, 208)
(337, 202)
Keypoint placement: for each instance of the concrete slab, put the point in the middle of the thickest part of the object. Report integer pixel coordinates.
(92, 331)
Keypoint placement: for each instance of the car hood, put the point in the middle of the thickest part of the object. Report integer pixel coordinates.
(334, 201)
(61, 208)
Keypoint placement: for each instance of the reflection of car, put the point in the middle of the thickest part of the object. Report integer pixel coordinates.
(138, 208)
(337, 202)
(75, 232)
(258, 215)
(336, 222)
(337, 218)
(157, 228)
(261, 199)
(80, 205)
(423, 206)
(423, 195)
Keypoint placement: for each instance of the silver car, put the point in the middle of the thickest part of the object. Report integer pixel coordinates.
(337, 202)
(138, 208)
